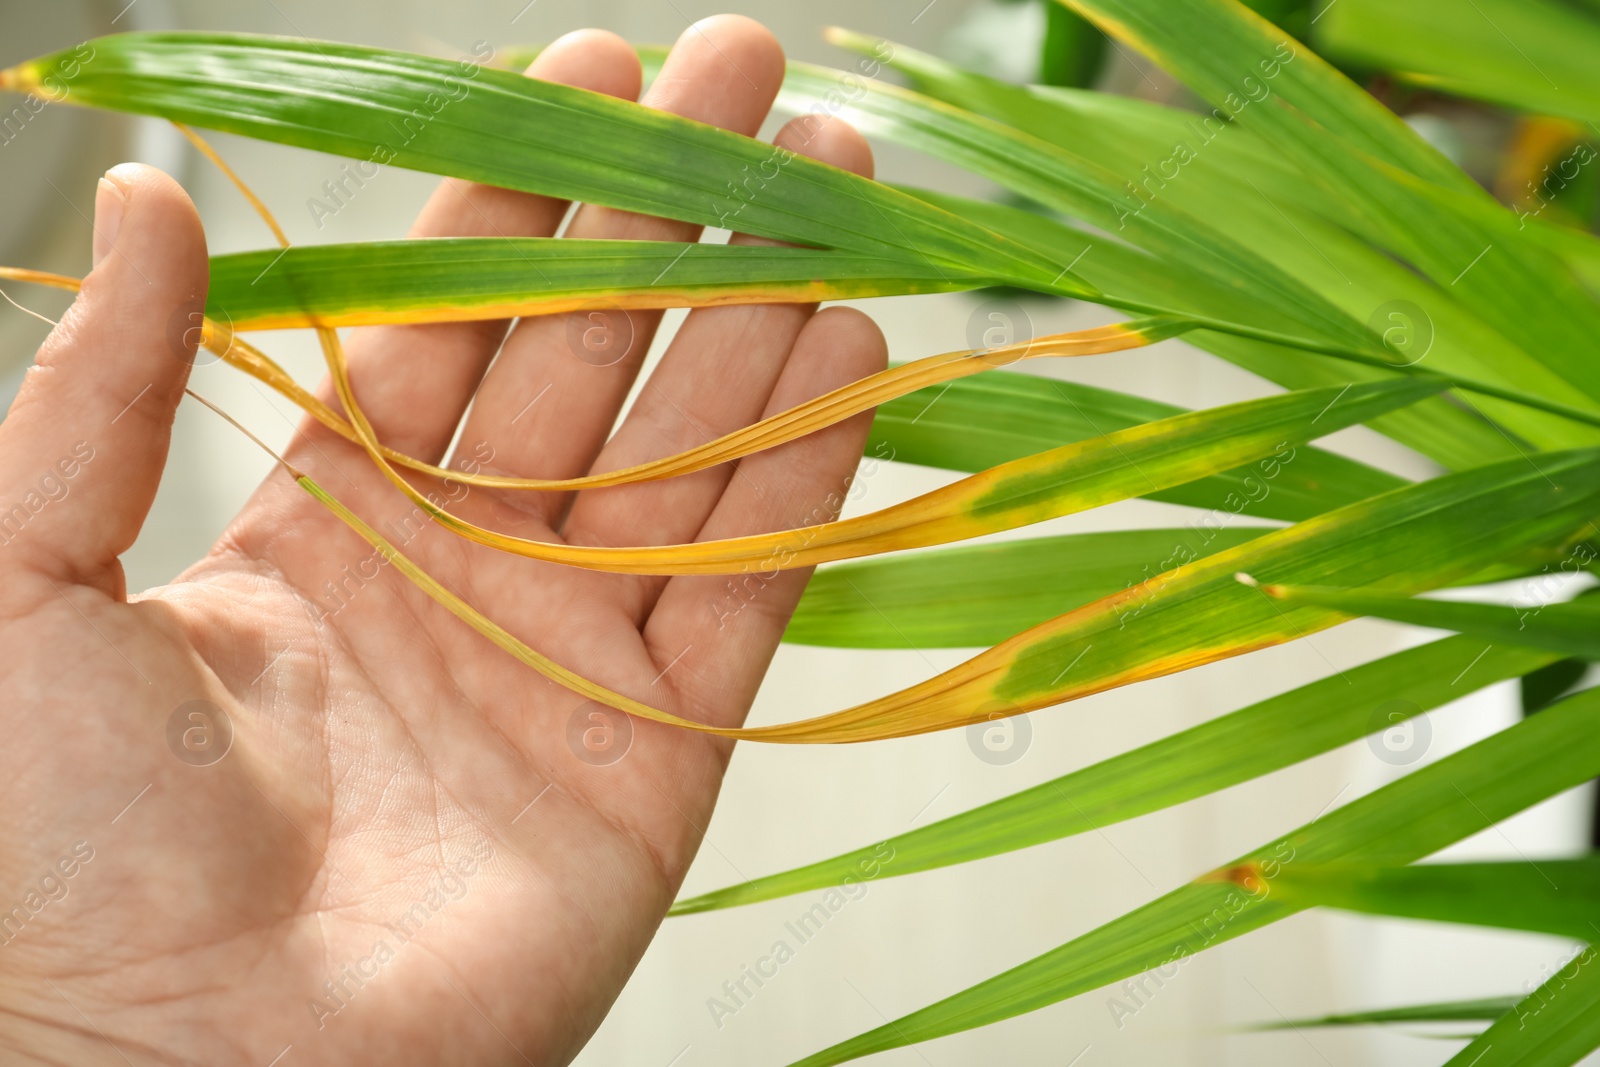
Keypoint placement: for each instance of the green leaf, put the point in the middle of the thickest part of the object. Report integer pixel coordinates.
(1487, 1009)
(1545, 896)
(1256, 740)
(486, 278)
(979, 595)
(1571, 627)
(1082, 188)
(976, 423)
(1555, 1025)
(492, 126)
(1427, 810)
(1533, 55)
(1423, 536)
(1450, 434)
(1073, 51)
(1545, 686)
(1390, 178)
(1407, 541)
(1302, 229)
(1446, 432)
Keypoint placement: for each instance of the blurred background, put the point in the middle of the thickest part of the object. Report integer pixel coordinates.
(907, 941)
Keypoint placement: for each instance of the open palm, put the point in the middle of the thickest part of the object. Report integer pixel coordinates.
(288, 806)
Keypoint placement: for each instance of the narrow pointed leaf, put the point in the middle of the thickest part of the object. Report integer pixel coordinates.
(220, 337)
(475, 122)
(1545, 686)
(1256, 740)
(462, 279)
(1487, 1009)
(1421, 537)
(1062, 481)
(979, 595)
(979, 423)
(1556, 1025)
(1340, 136)
(1448, 433)
(1546, 896)
(1428, 518)
(1301, 227)
(1422, 813)
(1570, 627)
(1462, 50)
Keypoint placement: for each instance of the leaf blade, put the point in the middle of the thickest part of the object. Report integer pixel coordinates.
(1252, 741)
(1560, 896)
(466, 279)
(1443, 802)
(1571, 627)
(474, 122)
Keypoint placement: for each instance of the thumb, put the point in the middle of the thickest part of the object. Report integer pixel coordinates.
(83, 446)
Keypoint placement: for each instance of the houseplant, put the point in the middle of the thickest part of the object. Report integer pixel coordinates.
(1399, 296)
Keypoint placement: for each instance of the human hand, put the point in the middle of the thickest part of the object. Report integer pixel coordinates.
(408, 852)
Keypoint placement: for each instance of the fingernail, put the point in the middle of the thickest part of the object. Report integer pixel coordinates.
(108, 205)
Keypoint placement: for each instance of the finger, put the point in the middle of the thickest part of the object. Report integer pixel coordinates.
(414, 382)
(722, 630)
(86, 438)
(551, 398)
(715, 378)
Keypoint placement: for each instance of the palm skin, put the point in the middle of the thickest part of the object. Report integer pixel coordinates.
(408, 854)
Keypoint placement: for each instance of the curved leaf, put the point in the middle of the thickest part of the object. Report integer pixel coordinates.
(1554, 1026)
(1487, 1009)
(475, 122)
(1570, 627)
(1421, 813)
(1549, 70)
(1385, 172)
(978, 423)
(1065, 480)
(462, 279)
(1244, 744)
(1546, 896)
(979, 595)
(1277, 307)
(1444, 431)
